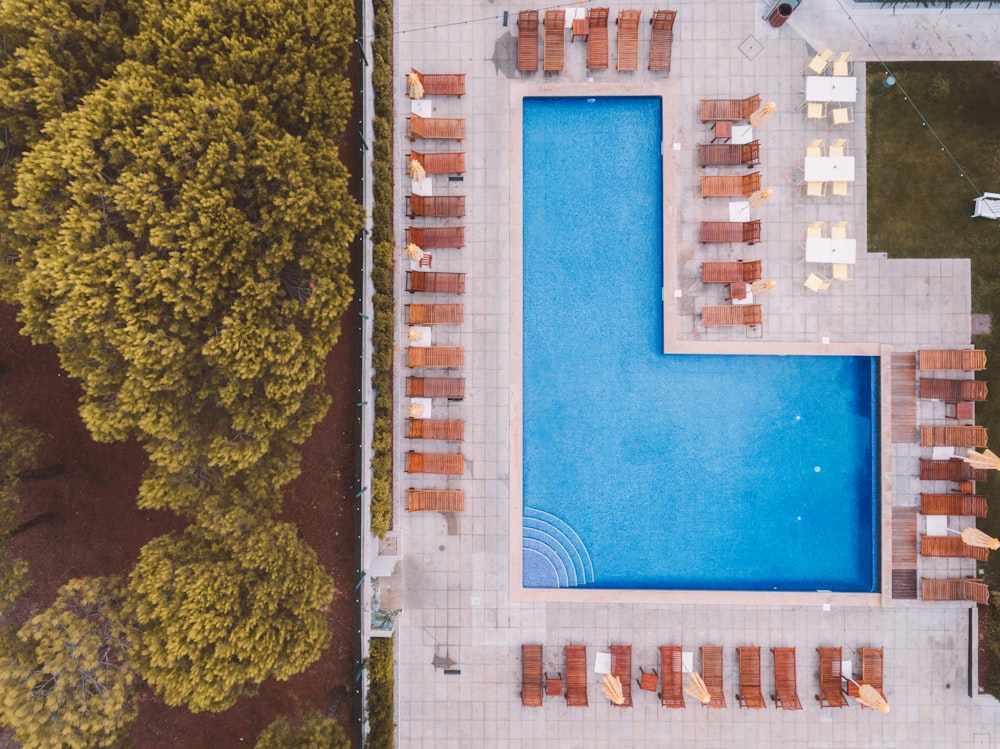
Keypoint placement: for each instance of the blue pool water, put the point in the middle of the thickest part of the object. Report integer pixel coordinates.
(645, 470)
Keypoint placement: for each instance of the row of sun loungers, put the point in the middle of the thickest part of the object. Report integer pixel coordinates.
(554, 43)
(833, 687)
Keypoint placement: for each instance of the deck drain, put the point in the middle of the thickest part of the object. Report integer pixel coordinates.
(750, 47)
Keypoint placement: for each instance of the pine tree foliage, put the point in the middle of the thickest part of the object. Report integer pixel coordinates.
(310, 730)
(18, 446)
(66, 683)
(226, 605)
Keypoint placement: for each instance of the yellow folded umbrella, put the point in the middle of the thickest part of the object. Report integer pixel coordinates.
(869, 697)
(761, 287)
(612, 688)
(416, 87)
(414, 334)
(987, 459)
(416, 410)
(417, 172)
(759, 196)
(414, 252)
(758, 118)
(697, 689)
(975, 537)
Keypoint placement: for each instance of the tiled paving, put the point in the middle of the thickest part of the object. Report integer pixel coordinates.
(459, 635)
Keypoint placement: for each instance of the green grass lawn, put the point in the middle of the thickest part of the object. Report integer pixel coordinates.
(919, 205)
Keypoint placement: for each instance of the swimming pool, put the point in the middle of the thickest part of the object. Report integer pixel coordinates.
(650, 471)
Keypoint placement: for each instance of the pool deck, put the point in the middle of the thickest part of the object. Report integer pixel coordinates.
(459, 637)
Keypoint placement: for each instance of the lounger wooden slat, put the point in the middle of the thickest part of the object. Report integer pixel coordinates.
(741, 271)
(729, 110)
(662, 40)
(729, 154)
(729, 315)
(447, 430)
(955, 469)
(435, 500)
(953, 436)
(872, 672)
(953, 359)
(954, 589)
(597, 40)
(437, 206)
(830, 694)
(951, 546)
(441, 357)
(729, 186)
(555, 40)
(435, 128)
(531, 676)
(435, 314)
(434, 282)
(446, 162)
(711, 673)
(786, 695)
(672, 676)
(953, 504)
(452, 388)
(628, 39)
(730, 231)
(441, 84)
(576, 675)
(953, 390)
(750, 695)
(446, 464)
(437, 237)
(621, 666)
(527, 41)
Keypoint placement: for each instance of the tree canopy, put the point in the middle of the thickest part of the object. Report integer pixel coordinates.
(310, 730)
(66, 681)
(226, 605)
(18, 446)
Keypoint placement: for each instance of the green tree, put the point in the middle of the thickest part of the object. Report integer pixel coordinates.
(311, 730)
(229, 603)
(66, 681)
(18, 446)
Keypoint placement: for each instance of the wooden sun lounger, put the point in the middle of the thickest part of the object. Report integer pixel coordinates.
(437, 237)
(953, 436)
(830, 694)
(446, 464)
(555, 40)
(576, 675)
(435, 282)
(954, 589)
(531, 676)
(672, 675)
(953, 504)
(440, 357)
(435, 314)
(711, 673)
(730, 231)
(729, 154)
(597, 40)
(955, 469)
(750, 695)
(662, 40)
(872, 672)
(621, 666)
(447, 430)
(436, 500)
(527, 41)
(452, 388)
(436, 128)
(953, 390)
(445, 162)
(955, 359)
(740, 271)
(729, 315)
(786, 694)
(628, 39)
(437, 206)
(730, 186)
(729, 110)
(951, 546)
(441, 84)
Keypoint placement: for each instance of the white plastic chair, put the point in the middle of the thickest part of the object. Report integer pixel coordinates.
(841, 116)
(814, 190)
(842, 272)
(838, 149)
(842, 189)
(842, 65)
(817, 283)
(818, 64)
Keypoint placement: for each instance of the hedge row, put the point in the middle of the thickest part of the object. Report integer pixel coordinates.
(382, 268)
(381, 687)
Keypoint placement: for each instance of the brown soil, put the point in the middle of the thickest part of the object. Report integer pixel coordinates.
(96, 528)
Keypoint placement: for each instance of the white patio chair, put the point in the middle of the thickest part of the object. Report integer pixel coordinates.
(816, 283)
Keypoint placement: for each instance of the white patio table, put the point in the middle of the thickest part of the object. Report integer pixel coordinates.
(831, 88)
(826, 250)
(829, 169)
